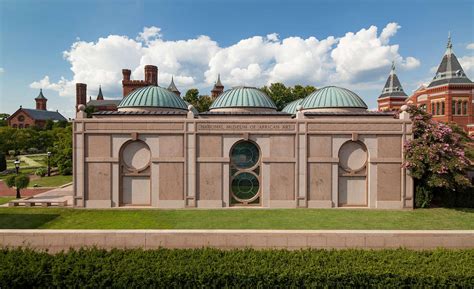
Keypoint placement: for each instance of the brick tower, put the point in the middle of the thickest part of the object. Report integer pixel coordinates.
(41, 101)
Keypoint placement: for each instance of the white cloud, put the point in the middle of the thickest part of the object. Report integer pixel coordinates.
(149, 33)
(357, 59)
(2, 70)
(470, 46)
(467, 63)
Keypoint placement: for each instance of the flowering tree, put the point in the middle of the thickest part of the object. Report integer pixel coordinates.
(435, 157)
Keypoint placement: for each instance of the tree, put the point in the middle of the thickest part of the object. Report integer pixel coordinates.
(3, 162)
(19, 182)
(435, 157)
(192, 96)
(282, 95)
(62, 150)
(200, 102)
(3, 119)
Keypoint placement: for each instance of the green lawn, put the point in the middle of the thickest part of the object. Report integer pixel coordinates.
(52, 218)
(4, 200)
(53, 181)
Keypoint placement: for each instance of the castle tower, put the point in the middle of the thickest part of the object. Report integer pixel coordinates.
(392, 96)
(41, 101)
(218, 88)
(151, 75)
(100, 96)
(172, 87)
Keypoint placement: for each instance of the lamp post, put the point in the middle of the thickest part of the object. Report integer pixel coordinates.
(49, 167)
(17, 168)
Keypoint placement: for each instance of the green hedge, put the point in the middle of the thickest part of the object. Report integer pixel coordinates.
(165, 268)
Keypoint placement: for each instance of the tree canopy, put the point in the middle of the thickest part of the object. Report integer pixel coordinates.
(282, 95)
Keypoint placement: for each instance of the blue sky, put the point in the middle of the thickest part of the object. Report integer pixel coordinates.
(239, 41)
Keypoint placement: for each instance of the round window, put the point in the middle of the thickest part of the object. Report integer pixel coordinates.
(245, 155)
(245, 186)
(21, 118)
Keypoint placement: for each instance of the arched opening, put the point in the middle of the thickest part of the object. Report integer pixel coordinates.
(352, 182)
(245, 174)
(135, 185)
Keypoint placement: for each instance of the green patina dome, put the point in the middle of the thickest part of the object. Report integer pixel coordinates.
(153, 97)
(333, 97)
(291, 107)
(243, 97)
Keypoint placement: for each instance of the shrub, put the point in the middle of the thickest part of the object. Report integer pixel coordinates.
(423, 197)
(10, 181)
(3, 162)
(202, 268)
(41, 172)
(11, 153)
(32, 150)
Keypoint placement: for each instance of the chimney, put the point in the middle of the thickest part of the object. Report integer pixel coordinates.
(81, 92)
(126, 74)
(151, 74)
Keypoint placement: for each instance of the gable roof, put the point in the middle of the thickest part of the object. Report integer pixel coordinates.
(39, 114)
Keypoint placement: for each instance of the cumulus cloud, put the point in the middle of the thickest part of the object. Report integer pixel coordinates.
(359, 58)
(470, 46)
(467, 63)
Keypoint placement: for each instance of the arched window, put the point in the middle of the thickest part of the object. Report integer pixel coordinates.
(442, 107)
(459, 108)
(432, 108)
(245, 174)
(20, 125)
(453, 107)
(437, 108)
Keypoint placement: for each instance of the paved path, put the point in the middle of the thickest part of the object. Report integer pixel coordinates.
(58, 194)
(7, 192)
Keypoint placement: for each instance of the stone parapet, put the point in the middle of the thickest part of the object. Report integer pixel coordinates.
(57, 240)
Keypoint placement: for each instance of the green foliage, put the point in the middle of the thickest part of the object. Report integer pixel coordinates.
(423, 197)
(41, 172)
(3, 162)
(436, 156)
(200, 102)
(90, 110)
(3, 119)
(10, 181)
(212, 268)
(22, 181)
(282, 95)
(62, 151)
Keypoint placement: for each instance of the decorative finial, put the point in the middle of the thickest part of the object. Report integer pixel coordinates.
(393, 66)
(450, 45)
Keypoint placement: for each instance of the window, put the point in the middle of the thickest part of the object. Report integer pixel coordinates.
(464, 108)
(21, 118)
(459, 112)
(20, 125)
(442, 108)
(245, 174)
(14, 126)
(437, 108)
(432, 108)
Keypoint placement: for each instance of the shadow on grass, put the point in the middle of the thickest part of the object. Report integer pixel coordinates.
(25, 221)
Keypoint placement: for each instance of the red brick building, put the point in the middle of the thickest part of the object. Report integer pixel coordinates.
(27, 117)
(448, 97)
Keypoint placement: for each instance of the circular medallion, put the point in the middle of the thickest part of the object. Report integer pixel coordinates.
(136, 155)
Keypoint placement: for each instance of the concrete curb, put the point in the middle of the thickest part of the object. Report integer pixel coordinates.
(58, 240)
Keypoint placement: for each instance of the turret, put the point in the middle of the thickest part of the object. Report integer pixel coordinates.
(41, 101)
(218, 88)
(172, 87)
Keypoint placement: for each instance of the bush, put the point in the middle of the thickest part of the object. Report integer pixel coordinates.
(32, 150)
(3, 162)
(11, 153)
(202, 268)
(41, 172)
(423, 197)
(10, 181)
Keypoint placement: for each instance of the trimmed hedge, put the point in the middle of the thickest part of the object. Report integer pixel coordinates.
(164, 268)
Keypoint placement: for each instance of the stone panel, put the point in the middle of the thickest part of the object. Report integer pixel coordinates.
(282, 146)
(389, 146)
(320, 180)
(282, 181)
(98, 181)
(388, 182)
(171, 180)
(354, 127)
(210, 146)
(171, 146)
(319, 146)
(210, 181)
(98, 146)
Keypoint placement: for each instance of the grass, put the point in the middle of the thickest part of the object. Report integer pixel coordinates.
(53, 181)
(316, 219)
(4, 200)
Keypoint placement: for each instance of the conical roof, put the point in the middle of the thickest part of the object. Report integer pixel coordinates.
(393, 87)
(449, 70)
(40, 95)
(172, 87)
(100, 96)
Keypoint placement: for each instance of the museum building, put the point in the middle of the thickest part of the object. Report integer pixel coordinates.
(324, 151)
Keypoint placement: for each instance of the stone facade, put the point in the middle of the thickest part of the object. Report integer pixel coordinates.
(181, 160)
